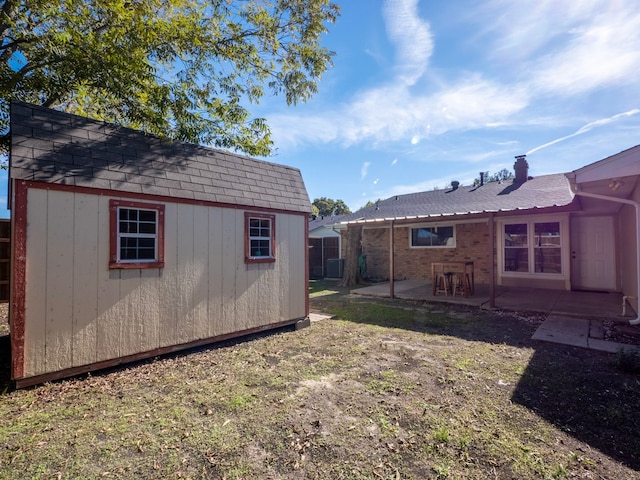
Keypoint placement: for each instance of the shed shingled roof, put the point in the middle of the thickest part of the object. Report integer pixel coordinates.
(536, 193)
(57, 147)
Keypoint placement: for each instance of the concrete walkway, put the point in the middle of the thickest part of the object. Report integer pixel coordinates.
(578, 332)
(573, 318)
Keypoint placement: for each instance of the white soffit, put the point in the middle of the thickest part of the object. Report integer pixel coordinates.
(623, 164)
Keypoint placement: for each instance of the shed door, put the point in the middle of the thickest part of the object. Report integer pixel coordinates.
(593, 253)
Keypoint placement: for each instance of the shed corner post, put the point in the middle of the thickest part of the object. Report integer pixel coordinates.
(307, 307)
(18, 278)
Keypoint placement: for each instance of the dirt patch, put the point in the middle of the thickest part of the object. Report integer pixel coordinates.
(4, 319)
(621, 332)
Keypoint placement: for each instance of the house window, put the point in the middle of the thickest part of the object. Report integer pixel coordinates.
(260, 237)
(533, 247)
(516, 250)
(137, 235)
(440, 236)
(547, 249)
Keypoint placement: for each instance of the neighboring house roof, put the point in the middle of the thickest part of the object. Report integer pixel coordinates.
(536, 193)
(56, 147)
(320, 222)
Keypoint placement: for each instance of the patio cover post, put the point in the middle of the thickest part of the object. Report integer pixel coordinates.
(391, 265)
(492, 276)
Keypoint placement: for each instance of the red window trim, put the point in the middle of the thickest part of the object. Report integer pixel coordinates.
(247, 244)
(113, 232)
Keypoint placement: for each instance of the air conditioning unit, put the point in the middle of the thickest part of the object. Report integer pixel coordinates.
(335, 267)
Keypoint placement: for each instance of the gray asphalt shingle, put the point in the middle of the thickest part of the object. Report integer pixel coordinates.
(536, 193)
(56, 147)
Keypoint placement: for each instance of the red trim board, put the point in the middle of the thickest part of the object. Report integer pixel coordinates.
(70, 372)
(19, 264)
(151, 197)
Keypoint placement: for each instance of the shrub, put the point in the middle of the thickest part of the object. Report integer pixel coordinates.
(628, 360)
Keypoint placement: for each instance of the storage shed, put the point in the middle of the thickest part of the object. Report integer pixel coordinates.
(127, 246)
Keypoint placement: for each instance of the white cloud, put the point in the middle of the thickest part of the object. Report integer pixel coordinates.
(364, 170)
(561, 47)
(604, 53)
(586, 128)
(411, 36)
(389, 114)
(547, 52)
(515, 32)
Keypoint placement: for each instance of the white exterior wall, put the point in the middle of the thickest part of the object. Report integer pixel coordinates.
(628, 250)
(79, 312)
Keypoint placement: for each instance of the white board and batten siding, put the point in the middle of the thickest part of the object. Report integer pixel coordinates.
(79, 312)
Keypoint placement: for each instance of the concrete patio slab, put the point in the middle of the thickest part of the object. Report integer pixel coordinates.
(595, 304)
(574, 317)
(562, 302)
(421, 290)
(564, 330)
(316, 317)
(528, 299)
(611, 347)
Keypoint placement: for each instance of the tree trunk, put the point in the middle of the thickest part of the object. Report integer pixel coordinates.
(351, 275)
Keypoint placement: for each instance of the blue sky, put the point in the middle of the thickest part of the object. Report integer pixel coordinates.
(426, 92)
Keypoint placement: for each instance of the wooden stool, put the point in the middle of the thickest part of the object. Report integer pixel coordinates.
(458, 284)
(442, 283)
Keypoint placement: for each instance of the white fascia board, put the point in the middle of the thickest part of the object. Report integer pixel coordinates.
(623, 164)
(418, 221)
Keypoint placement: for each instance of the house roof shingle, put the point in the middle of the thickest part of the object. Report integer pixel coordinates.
(536, 193)
(319, 222)
(56, 147)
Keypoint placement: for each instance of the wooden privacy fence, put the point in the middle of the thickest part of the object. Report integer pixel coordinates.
(321, 251)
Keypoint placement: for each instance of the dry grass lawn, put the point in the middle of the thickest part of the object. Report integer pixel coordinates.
(383, 391)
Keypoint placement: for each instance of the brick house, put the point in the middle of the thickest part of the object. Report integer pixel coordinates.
(538, 232)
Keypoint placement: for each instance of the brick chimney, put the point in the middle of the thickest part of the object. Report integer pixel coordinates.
(521, 169)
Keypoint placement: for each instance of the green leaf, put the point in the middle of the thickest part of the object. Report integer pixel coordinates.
(182, 69)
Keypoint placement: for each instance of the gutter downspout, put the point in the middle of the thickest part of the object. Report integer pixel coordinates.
(574, 189)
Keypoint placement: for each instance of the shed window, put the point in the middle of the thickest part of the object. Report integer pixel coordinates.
(438, 236)
(137, 234)
(259, 237)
